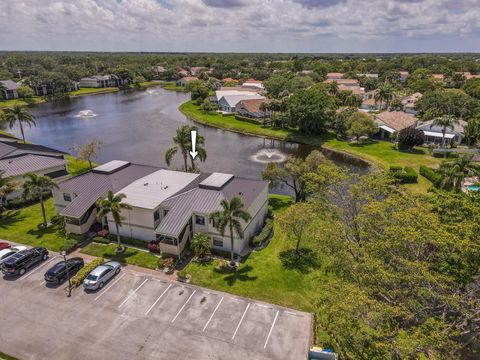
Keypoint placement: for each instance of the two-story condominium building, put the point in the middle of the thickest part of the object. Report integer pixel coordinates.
(170, 206)
(76, 197)
(8, 90)
(101, 81)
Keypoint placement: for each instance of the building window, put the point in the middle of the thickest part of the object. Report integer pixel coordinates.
(67, 197)
(156, 215)
(165, 212)
(199, 220)
(217, 242)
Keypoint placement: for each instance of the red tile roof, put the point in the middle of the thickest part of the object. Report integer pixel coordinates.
(397, 120)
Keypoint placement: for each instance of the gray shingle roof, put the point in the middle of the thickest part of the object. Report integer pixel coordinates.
(9, 84)
(182, 206)
(16, 148)
(457, 128)
(21, 165)
(91, 186)
(5, 149)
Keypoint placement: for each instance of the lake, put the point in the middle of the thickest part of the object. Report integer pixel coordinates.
(138, 126)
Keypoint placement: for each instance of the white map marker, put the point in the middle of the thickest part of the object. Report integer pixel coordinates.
(193, 135)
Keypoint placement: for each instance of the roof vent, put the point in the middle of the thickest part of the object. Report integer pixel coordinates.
(146, 184)
(111, 167)
(216, 181)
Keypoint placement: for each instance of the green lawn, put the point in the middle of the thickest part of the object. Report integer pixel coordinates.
(263, 276)
(22, 102)
(90, 91)
(76, 167)
(173, 87)
(22, 226)
(131, 256)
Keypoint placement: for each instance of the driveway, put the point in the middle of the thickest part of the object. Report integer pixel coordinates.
(139, 316)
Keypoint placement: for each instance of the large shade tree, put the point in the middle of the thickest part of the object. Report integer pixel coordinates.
(18, 114)
(230, 218)
(37, 187)
(113, 205)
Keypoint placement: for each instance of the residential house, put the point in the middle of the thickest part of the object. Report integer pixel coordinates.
(369, 102)
(195, 70)
(228, 103)
(252, 83)
(438, 77)
(368, 75)
(404, 75)
(229, 80)
(252, 108)
(101, 81)
(76, 197)
(19, 165)
(356, 90)
(9, 90)
(9, 149)
(391, 122)
(183, 72)
(469, 76)
(185, 80)
(344, 82)
(433, 133)
(408, 102)
(335, 75)
(160, 69)
(171, 206)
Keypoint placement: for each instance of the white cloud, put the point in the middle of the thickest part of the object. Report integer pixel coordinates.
(240, 25)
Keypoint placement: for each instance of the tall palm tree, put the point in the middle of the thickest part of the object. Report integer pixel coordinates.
(454, 172)
(114, 205)
(445, 121)
(183, 141)
(385, 94)
(7, 185)
(35, 187)
(230, 215)
(333, 88)
(18, 114)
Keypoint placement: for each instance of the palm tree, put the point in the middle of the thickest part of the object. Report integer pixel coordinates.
(333, 88)
(113, 204)
(385, 94)
(7, 186)
(230, 215)
(201, 245)
(35, 187)
(454, 172)
(183, 142)
(18, 114)
(445, 121)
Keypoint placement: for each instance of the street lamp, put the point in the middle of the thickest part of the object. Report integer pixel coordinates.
(64, 254)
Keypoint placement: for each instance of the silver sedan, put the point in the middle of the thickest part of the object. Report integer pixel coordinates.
(101, 274)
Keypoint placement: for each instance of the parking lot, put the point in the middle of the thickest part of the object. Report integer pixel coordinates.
(140, 316)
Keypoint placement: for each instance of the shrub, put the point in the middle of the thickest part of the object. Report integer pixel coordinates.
(270, 213)
(440, 154)
(395, 168)
(430, 174)
(182, 274)
(410, 137)
(103, 233)
(154, 247)
(160, 263)
(101, 240)
(248, 120)
(21, 202)
(142, 244)
(69, 245)
(82, 274)
(406, 175)
(168, 262)
(264, 235)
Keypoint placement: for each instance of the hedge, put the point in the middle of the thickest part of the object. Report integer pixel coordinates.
(406, 176)
(142, 244)
(430, 174)
(101, 240)
(247, 119)
(450, 155)
(264, 234)
(83, 273)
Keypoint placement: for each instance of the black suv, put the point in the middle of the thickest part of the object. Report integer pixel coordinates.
(19, 263)
(58, 272)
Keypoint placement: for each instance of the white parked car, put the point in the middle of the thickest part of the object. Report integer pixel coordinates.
(6, 253)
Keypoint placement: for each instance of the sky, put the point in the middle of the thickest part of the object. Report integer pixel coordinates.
(292, 26)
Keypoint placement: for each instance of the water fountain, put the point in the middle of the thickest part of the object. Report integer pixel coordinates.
(86, 114)
(268, 156)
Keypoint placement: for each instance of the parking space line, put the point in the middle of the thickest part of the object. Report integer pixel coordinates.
(271, 329)
(132, 293)
(109, 287)
(37, 268)
(211, 316)
(156, 301)
(183, 307)
(240, 322)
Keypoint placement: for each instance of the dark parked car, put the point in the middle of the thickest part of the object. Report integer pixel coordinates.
(58, 272)
(19, 263)
(5, 245)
